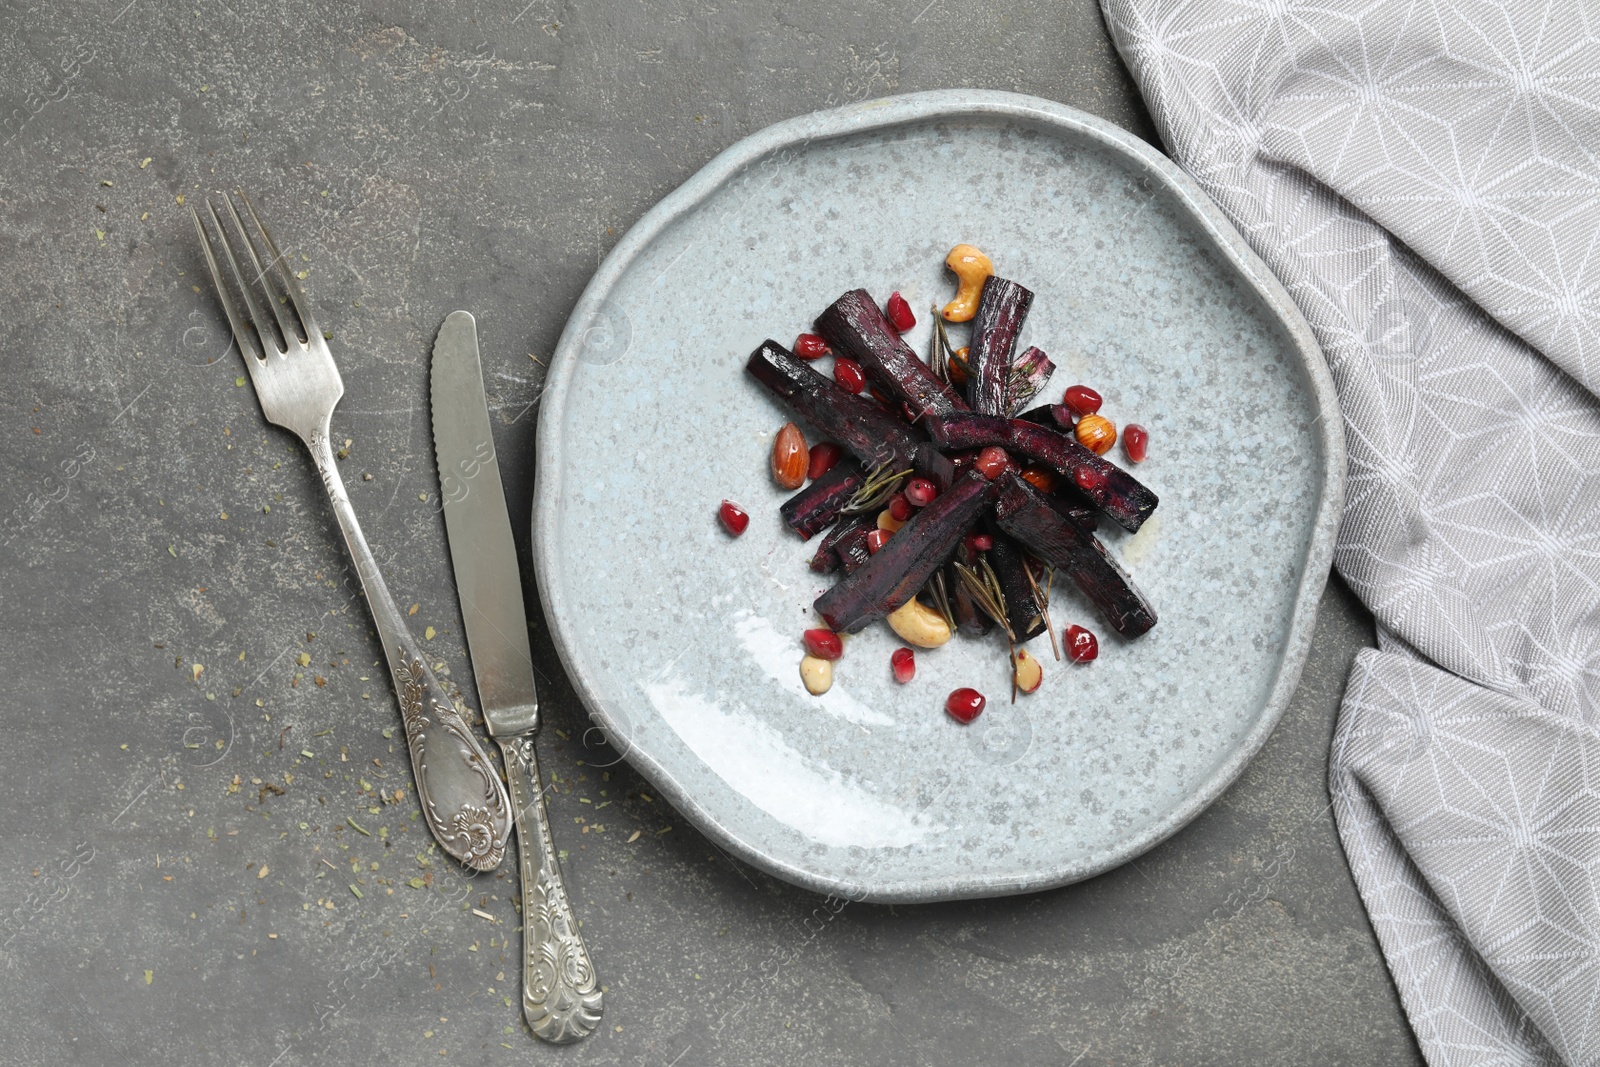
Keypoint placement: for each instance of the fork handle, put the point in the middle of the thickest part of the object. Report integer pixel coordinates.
(462, 797)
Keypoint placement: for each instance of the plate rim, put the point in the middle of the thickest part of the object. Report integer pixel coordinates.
(885, 113)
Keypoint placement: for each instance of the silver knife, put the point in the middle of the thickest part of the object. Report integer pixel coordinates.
(561, 997)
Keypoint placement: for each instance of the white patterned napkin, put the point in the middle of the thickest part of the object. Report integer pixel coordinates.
(1425, 179)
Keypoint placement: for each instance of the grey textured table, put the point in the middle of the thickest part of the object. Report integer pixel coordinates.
(212, 866)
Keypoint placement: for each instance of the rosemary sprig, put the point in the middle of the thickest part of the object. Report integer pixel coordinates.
(941, 598)
(881, 484)
(966, 368)
(981, 582)
(944, 352)
(984, 585)
(1041, 598)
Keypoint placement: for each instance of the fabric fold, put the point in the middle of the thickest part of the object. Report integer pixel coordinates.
(1459, 1009)
(1429, 806)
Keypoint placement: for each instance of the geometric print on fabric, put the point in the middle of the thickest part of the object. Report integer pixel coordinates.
(1424, 178)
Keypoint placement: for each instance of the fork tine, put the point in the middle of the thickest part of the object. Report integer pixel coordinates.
(291, 336)
(297, 296)
(234, 321)
(258, 318)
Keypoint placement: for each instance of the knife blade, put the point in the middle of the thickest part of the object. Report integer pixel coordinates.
(561, 996)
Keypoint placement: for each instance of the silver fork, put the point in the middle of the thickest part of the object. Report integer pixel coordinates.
(298, 385)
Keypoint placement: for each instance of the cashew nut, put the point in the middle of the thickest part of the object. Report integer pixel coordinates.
(919, 624)
(887, 521)
(971, 268)
(817, 674)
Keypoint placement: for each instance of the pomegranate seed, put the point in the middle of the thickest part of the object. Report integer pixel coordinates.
(1088, 478)
(920, 492)
(1136, 439)
(900, 507)
(847, 372)
(900, 313)
(964, 704)
(903, 662)
(1082, 646)
(876, 539)
(982, 542)
(1082, 399)
(992, 462)
(810, 346)
(823, 455)
(734, 518)
(823, 644)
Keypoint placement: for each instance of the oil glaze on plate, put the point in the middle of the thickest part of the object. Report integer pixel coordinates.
(685, 643)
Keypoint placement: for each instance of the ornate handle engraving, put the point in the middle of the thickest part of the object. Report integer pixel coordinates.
(462, 799)
(469, 814)
(561, 996)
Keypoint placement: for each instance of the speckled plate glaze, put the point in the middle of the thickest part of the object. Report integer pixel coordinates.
(684, 643)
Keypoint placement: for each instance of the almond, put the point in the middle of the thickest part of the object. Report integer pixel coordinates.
(790, 457)
(1028, 672)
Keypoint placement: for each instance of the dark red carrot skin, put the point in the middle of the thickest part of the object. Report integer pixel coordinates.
(1022, 608)
(1076, 506)
(827, 559)
(898, 570)
(935, 466)
(860, 426)
(871, 434)
(1039, 522)
(814, 508)
(1118, 493)
(1029, 374)
(1055, 416)
(851, 548)
(855, 326)
(1002, 309)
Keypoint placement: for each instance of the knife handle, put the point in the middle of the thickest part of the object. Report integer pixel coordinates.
(461, 795)
(561, 996)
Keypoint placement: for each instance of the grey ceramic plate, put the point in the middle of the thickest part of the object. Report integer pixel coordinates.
(684, 643)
